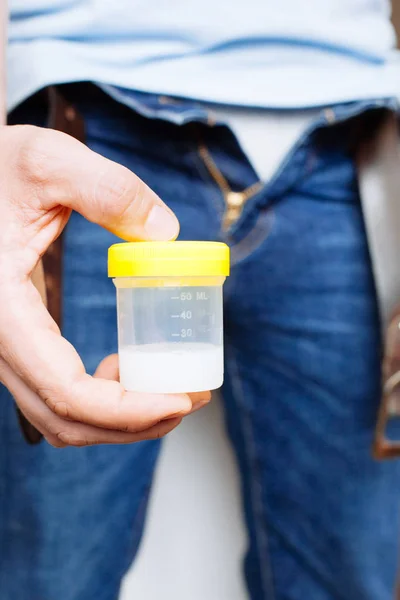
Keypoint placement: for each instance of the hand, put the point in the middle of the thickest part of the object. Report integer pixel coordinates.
(45, 175)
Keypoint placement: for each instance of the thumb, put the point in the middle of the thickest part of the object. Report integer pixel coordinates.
(65, 172)
(108, 368)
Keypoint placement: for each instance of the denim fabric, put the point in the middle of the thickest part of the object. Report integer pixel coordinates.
(301, 389)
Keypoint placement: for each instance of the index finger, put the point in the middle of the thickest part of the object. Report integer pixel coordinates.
(58, 170)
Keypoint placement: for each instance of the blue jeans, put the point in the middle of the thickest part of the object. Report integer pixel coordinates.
(301, 389)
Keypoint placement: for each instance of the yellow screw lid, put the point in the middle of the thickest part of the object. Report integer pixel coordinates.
(158, 259)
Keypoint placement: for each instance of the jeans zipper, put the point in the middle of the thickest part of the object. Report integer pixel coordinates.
(234, 201)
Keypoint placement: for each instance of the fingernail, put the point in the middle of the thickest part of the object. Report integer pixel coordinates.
(200, 405)
(180, 406)
(161, 224)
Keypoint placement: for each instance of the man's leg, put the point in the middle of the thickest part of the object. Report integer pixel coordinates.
(71, 519)
(302, 389)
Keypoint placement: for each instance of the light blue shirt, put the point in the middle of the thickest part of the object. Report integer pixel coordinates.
(259, 53)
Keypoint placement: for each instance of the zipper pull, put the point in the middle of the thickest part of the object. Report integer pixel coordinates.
(234, 207)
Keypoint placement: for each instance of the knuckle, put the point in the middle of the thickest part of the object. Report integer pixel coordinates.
(77, 439)
(33, 154)
(137, 199)
(52, 428)
(58, 402)
(123, 192)
(62, 409)
(55, 442)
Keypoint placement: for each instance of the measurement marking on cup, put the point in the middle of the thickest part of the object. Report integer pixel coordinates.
(175, 298)
(202, 296)
(185, 314)
(176, 335)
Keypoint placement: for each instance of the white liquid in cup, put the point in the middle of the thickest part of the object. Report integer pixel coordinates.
(169, 368)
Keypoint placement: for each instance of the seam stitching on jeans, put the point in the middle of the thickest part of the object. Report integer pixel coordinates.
(261, 534)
